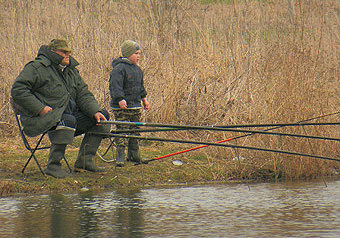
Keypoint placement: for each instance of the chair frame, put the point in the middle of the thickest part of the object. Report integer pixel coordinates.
(101, 156)
(36, 147)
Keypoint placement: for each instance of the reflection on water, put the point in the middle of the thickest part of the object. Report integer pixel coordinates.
(266, 210)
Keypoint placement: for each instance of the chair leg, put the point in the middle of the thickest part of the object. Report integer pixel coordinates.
(36, 161)
(68, 166)
(35, 158)
(108, 148)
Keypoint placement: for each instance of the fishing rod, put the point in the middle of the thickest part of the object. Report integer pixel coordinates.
(147, 130)
(216, 128)
(179, 127)
(218, 144)
(238, 137)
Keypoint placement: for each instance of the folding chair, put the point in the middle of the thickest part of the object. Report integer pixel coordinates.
(36, 147)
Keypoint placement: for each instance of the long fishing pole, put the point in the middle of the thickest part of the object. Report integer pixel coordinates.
(218, 144)
(238, 137)
(217, 128)
(232, 130)
(234, 138)
(132, 130)
(243, 131)
(299, 123)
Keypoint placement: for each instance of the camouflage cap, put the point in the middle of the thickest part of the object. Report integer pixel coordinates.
(58, 44)
(129, 47)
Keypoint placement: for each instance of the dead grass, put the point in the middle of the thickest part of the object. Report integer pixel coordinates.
(205, 63)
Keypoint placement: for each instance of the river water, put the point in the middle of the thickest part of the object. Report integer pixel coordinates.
(303, 209)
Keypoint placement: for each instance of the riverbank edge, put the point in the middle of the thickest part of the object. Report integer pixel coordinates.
(193, 170)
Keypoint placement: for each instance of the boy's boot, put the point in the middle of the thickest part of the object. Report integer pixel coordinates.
(120, 156)
(57, 152)
(133, 151)
(87, 151)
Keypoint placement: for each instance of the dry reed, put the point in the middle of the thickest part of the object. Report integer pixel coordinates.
(205, 62)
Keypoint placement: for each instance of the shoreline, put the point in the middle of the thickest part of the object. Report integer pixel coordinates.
(194, 169)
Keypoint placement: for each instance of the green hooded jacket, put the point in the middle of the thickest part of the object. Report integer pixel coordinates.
(41, 83)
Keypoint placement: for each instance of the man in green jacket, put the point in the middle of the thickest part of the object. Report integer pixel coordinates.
(51, 97)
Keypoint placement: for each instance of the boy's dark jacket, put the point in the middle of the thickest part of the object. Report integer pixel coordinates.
(126, 82)
(42, 83)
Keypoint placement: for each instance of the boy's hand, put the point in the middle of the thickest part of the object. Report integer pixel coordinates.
(122, 104)
(145, 103)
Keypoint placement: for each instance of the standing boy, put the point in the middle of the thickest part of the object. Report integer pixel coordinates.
(127, 92)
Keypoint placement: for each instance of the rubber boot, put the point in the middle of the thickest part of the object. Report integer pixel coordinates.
(120, 156)
(57, 152)
(133, 152)
(87, 151)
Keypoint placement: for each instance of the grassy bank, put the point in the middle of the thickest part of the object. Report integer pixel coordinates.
(205, 63)
(197, 168)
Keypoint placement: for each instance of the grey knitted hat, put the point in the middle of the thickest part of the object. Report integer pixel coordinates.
(129, 47)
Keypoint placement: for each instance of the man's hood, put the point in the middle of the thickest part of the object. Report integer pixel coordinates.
(54, 57)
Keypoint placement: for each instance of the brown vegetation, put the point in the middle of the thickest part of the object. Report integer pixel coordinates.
(205, 63)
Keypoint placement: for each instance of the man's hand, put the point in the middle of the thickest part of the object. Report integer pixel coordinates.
(45, 110)
(99, 117)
